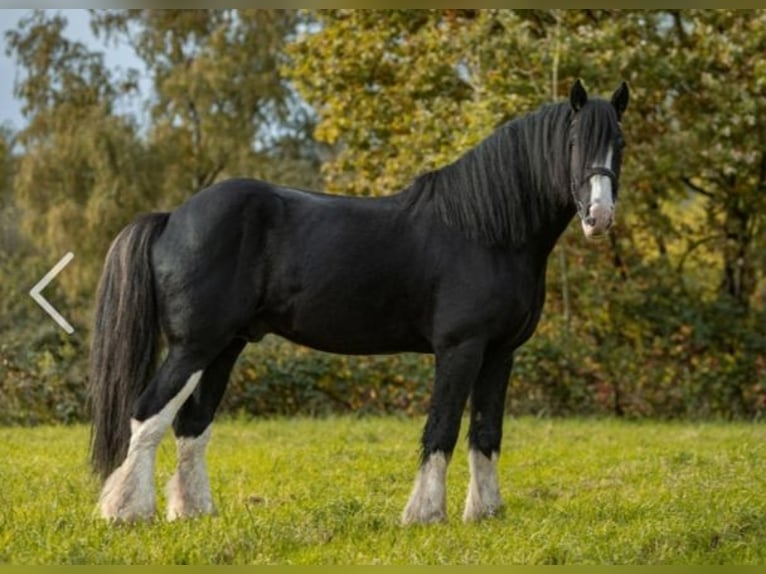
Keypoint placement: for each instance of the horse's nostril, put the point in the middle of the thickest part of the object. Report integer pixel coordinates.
(590, 221)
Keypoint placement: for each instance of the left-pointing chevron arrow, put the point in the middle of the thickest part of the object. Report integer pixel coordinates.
(43, 283)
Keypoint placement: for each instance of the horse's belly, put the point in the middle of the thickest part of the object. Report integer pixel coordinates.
(358, 345)
(355, 342)
(347, 327)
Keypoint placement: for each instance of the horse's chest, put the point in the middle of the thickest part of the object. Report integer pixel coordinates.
(526, 307)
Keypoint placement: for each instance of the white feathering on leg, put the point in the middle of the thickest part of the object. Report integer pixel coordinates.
(483, 491)
(188, 491)
(428, 501)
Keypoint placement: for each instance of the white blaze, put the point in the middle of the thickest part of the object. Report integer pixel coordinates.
(601, 185)
(601, 209)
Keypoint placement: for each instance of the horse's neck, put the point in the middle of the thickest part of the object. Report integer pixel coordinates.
(544, 239)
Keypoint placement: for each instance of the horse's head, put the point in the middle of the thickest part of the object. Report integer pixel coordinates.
(596, 144)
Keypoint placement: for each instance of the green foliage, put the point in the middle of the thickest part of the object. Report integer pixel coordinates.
(666, 318)
(419, 87)
(330, 491)
(219, 93)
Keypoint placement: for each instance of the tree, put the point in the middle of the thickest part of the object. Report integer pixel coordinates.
(221, 106)
(720, 107)
(81, 163)
(10, 242)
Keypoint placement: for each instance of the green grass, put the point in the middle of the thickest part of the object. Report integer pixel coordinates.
(331, 491)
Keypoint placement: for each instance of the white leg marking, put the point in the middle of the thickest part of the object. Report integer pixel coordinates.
(483, 491)
(128, 493)
(188, 491)
(428, 501)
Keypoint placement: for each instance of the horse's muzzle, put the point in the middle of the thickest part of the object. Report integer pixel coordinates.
(598, 221)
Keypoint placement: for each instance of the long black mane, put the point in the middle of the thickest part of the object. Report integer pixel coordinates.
(502, 190)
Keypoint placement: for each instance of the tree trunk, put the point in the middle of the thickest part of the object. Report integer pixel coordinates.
(739, 277)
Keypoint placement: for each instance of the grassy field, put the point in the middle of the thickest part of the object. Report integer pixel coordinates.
(331, 491)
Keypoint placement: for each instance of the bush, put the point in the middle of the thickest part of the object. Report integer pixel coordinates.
(277, 377)
(42, 386)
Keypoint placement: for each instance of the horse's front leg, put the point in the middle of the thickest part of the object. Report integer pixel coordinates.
(485, 435)
(456, 369)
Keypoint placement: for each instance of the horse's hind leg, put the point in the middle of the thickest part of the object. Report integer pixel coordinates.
(128, 493)
(188, 491)
(456, 370)
(485, 435)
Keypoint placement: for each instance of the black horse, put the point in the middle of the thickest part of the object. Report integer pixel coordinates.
(453, 265)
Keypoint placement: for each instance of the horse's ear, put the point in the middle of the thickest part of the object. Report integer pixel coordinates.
(577, 96)
(620, 99)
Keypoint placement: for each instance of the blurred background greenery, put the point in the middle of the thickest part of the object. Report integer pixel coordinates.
(666, 318)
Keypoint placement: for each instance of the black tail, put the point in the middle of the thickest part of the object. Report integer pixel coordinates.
(125, 339)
